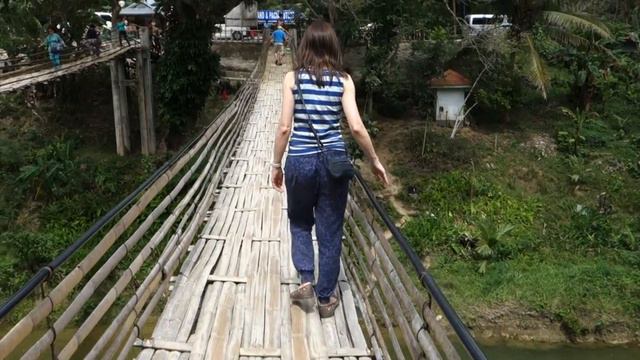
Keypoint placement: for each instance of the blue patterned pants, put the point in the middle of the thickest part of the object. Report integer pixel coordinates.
(313, 197)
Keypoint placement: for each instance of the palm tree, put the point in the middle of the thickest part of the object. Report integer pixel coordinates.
(566, 24)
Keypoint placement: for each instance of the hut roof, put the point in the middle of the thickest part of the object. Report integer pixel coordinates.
(138, 9)
(450, 79)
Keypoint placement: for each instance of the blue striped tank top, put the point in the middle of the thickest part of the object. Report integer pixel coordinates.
(324, 108)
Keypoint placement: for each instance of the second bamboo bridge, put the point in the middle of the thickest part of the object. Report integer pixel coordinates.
(195, 264)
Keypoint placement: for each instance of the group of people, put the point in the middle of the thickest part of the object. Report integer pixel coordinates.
(55, 44)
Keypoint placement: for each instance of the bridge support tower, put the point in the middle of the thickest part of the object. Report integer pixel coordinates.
(120, 106)
(145, 94)
(144, 89)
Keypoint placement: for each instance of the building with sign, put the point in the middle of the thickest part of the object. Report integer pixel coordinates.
(269, 17)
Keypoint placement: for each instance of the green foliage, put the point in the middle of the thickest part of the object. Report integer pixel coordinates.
(385, 79)
(490, 241)
(429, 58)
(556, 234)
(19, 28)
(500, 87)
(50, 171)
(186, 72)
(459, 204)
(50, 194)
(33, 249)
(571, 141)
(23, 22)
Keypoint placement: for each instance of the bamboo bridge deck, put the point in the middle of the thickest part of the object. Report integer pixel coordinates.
(203, 247)
(12, 81)
(231, 296)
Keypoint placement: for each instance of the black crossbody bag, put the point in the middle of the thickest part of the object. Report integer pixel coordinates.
(339, 167)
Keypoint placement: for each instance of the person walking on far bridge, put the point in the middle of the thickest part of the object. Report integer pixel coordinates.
(54, 44)
(278, 37)
(121, 26)
(317, 170)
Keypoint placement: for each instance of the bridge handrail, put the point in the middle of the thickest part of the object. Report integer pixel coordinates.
(13, 64)
(171, 168)
(46, 271)
(424, 276)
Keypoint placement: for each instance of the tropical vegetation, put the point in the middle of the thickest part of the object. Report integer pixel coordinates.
(535, 205)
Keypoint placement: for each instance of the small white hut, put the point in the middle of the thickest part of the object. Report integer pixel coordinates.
(451, 89)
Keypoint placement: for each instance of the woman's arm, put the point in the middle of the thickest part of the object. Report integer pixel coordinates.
(284, 130)
(359, 131)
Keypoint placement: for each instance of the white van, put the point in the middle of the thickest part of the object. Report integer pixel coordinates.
(479, 23)
(105, 17)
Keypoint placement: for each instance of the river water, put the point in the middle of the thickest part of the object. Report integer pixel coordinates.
(538, 351)
(493, 350)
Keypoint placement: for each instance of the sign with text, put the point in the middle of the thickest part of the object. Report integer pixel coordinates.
(272, 16)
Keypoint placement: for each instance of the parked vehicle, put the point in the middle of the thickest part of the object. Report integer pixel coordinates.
(225, 32)
(480, 23)
(105, 17)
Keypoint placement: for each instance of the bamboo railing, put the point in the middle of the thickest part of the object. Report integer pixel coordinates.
(189, 184)
(414, 322)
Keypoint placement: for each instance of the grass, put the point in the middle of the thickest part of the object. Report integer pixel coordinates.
(574, 251)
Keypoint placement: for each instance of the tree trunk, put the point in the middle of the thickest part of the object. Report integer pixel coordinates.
(115, 13)
(331, 8)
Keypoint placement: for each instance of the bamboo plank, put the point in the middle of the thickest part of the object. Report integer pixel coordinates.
(162, 345)
(222, 324)
(232, 279)
(260, 352)
(299, 345)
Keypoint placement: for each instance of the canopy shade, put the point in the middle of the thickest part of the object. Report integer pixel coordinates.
(138, 9)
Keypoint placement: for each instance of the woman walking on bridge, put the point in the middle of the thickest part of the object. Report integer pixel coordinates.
(316, 173)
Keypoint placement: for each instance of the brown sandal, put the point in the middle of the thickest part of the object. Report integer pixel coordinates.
(303, 293)
(329, 309)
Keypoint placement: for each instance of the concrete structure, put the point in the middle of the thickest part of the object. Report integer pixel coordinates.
(451, 89)
(243, 15)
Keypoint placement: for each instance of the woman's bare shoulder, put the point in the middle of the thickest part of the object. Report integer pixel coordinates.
(289, 79)
(347, 80)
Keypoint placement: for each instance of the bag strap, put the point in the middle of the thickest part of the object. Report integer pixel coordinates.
(304, 106)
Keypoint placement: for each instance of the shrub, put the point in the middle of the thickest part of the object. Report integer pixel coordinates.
(185, 73)
(33, 250)
(52, 170)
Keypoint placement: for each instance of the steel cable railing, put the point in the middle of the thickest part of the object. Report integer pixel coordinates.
(385, 256)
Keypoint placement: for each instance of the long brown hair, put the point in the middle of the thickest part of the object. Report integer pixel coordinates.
(319, 50)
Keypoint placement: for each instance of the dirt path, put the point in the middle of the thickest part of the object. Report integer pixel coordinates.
(386, 144)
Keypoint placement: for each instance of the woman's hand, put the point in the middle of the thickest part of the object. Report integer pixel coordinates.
(378, 170)
(277, 179)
